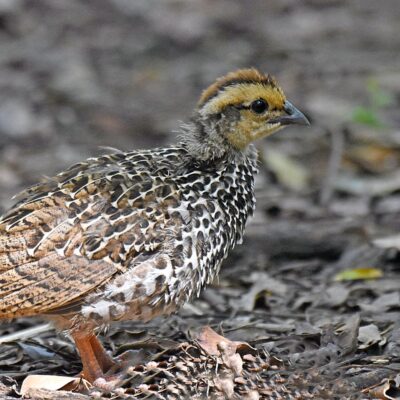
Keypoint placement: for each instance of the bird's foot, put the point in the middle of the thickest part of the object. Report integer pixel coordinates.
(99, 368)
(113, 377)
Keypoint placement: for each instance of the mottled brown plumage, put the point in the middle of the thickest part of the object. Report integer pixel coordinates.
(135, 235)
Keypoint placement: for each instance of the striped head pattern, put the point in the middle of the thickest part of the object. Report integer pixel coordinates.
(247, 105)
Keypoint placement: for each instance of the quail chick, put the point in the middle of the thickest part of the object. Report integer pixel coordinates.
(130, 236)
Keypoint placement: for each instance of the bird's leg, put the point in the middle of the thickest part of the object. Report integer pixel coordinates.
(95, 360)
(105, 361)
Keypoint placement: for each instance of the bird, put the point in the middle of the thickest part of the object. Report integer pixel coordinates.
(135, 235)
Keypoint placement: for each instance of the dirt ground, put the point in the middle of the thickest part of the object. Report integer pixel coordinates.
(311, 287)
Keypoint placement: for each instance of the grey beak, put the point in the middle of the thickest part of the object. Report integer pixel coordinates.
(293, 116)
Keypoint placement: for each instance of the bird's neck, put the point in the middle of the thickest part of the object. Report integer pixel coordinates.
(205, 141)
(202, 141)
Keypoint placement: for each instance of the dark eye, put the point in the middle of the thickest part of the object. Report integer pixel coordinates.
(259, 106)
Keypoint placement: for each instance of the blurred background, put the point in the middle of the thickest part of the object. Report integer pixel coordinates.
(77, 75)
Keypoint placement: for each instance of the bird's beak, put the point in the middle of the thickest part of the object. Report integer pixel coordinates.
(292, 116)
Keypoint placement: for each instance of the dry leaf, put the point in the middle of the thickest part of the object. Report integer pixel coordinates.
(369, 335)
(290, 173)
(369, 186)
(48, 382)
(348, 334)
(383, 303)
(374, 157)
(387, 390)
(228, 351)
(261, 283)
(212, 343)
(226, 386)
(252, 395)
(388, 242)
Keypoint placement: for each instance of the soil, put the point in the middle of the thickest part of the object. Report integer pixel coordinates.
(311, 285)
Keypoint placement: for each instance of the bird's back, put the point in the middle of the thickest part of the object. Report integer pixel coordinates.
(70, 234)
(121, 236)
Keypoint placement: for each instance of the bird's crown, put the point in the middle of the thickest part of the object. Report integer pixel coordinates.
(238, 87)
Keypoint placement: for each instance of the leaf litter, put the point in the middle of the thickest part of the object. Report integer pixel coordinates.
(327, 198)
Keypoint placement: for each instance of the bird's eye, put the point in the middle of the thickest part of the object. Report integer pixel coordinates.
(259, 106)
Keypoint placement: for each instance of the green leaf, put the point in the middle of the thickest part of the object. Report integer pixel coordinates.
(358, 274)
(366, 116)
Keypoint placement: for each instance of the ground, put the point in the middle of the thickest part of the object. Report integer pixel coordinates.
(310, 286)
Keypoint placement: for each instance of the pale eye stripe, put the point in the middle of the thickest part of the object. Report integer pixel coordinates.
(242, 94)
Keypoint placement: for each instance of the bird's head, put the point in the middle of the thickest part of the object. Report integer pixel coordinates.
(244, 106)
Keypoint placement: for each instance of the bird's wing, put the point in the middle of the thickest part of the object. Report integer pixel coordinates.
(35, 273)
(72, 234)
